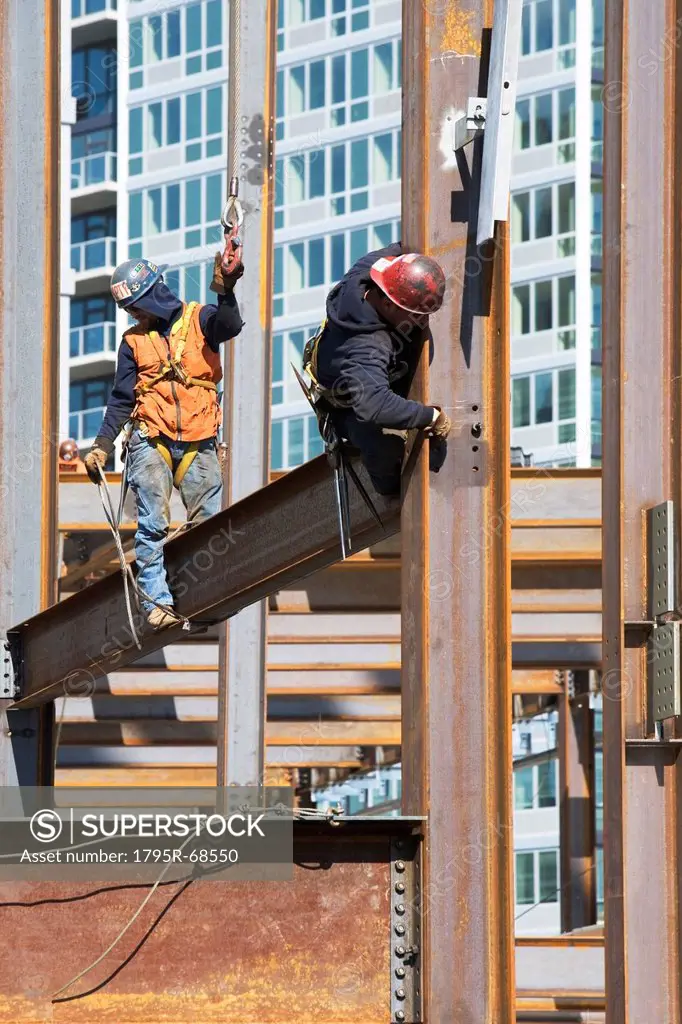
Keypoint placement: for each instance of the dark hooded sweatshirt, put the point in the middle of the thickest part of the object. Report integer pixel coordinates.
(219, 323)
(368, 363)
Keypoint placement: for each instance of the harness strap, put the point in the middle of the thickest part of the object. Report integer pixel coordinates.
(185, 462)
(173, 366)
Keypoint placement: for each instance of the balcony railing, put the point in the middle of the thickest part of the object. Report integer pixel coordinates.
(79, 8)
(83, 426)
(93, 339)
(94, 169)
(98, 252)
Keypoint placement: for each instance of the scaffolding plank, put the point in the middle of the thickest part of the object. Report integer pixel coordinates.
(266, 541)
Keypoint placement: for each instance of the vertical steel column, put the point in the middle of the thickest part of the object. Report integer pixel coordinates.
(576, 806)
(641, 467)
(455, 533)
(241, 702)
(29, 213)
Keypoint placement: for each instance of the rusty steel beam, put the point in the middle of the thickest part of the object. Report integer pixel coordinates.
(642, 457)
(456, 657)
(268, 540)
(576, 806)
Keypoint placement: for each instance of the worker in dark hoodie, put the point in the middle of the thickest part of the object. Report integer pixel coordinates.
(363, 359)
(166, 386)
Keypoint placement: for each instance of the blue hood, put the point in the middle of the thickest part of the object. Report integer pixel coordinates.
(160, 303)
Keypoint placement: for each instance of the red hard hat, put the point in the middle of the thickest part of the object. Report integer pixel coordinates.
(414, 282)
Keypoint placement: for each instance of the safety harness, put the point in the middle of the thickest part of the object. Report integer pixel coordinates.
(173, 369)
(322, 401)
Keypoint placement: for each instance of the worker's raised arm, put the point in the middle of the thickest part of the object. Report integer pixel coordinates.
(221, 323)
(364, 384)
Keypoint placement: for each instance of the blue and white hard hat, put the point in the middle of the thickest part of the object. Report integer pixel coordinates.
(132, 279)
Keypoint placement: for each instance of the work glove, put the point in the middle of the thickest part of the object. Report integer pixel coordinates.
(441, 425)
(227, 268)
(96, 458)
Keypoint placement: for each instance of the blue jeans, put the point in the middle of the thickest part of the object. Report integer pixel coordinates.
(151, 481)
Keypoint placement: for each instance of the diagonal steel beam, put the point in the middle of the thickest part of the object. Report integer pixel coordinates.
(270, 539)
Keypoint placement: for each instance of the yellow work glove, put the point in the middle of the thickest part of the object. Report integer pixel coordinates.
(95, 459)
(224, 280)
(441, 426)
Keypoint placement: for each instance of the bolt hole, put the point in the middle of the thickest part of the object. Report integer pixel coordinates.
(474, 448)
(474, 408)
(475, 469)
(506, 85)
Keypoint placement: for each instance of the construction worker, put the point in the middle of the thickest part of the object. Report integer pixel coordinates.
(168, 369)
(363, 359)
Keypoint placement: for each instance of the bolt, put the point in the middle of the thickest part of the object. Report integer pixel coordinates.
(400, 865)
(476, 430)
(400, 929)
(400, 972)
(399, 1015)
(400, 887)
(400, 908)
(400, 950)
(400, 993)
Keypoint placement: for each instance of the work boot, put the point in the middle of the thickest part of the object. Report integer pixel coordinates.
(159, 618)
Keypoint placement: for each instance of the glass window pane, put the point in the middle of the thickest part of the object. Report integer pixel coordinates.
(277, 358)
(154, 207)
(296, 179)
(276, 445)
(316, 168)
(547, 783)
(339, 79)
(193, 28)
(358, 244)
(567, 113)
(294, 267)
(192, 202)
(317, 85)
(525, 879)
(359, 74)
(525, 31)
(338, 257)
(279, 270)
(173, 34)
(316, 262)
(596, 300)
(596, 393)
(549, 883)
(135, 215)
(359, 164)
(135, 130)
(295, 450)
(597, 207)
(214, 24)
(521, 402)
(316, 9)
(173, 121)
(214, 111)
(543, 119)
(520, 213)
(155, 125)
(543, 212)
(521, 309)
(523, 780)
(279, 92)
(544, 406)
(383, 168)
(383, 68)
(193, 115)
(522, 125)
(214, 197)
(566, 199)
(172, 207)
(338, 169)
(543, 25)
(566, 22)
(156, 36)
(566, 301)
(543, 305)
(567, 394)
(296, 95)
(135, 49)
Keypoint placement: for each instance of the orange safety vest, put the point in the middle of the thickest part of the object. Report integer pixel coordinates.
(177, 380)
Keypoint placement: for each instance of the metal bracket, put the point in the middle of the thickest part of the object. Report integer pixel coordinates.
(663, 642)
(471, 125)
(406, 938)
(664, 671)
(10, 685)
(661, 559)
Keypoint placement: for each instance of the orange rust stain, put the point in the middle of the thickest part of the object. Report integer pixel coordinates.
(458, 33)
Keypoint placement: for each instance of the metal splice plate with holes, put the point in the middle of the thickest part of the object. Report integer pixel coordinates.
(406, 938)
(661, 559)
(9, 683)
(664, 671)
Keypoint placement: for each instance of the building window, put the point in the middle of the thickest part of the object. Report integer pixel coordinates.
(548, 876)
(546, 788)
(194, 120)
(294, 440)
(191, 283)
(547, 119)
(544, 306)
(535, 785)
(546, 397)
(194, 31)
(87, 404)
(525, 879)
(340, 17)
(192, 205)
(549, 25)
(523, 788)
(93, 81)
(342, 84)
(543, 212)
(93, 157)
(537, 877)
(92, 326)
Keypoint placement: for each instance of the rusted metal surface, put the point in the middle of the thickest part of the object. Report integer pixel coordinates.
(641, 459)
(456, 644)
(314, 951)
(577, 806)
(266, 541)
